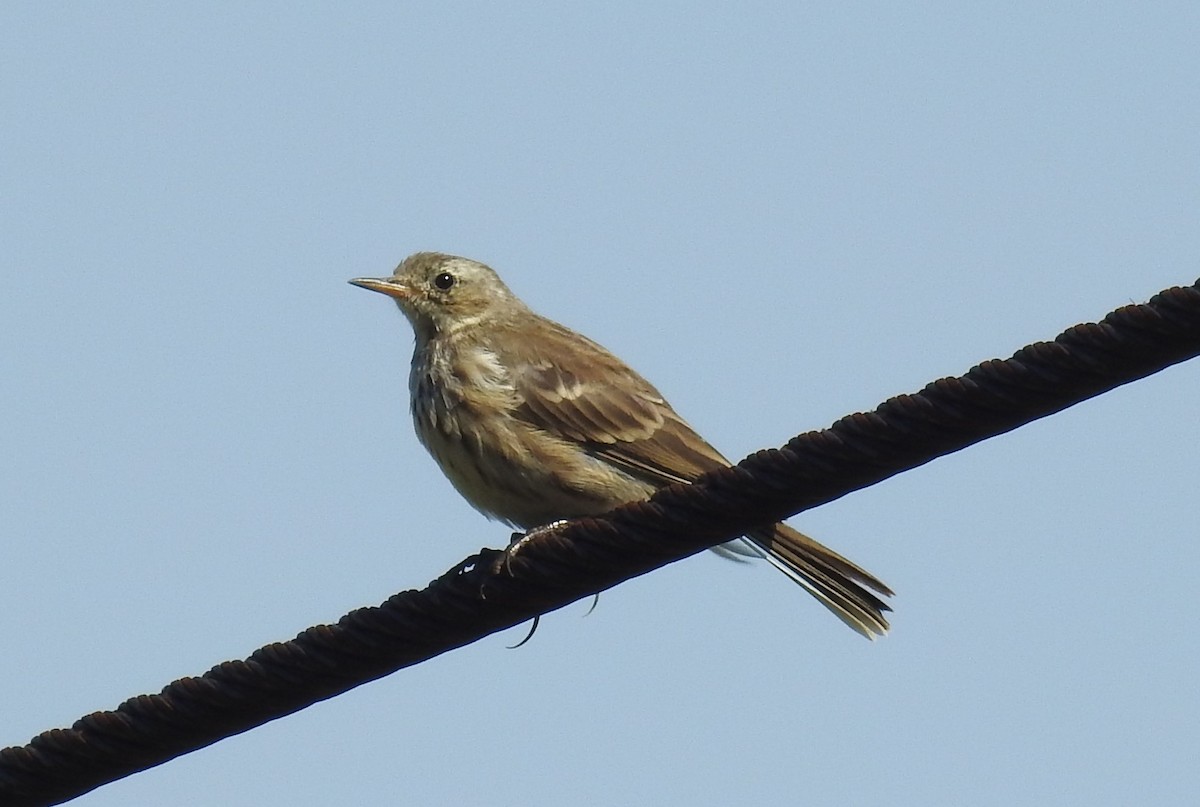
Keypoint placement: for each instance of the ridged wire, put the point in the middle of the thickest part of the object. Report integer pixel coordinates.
(488, 592)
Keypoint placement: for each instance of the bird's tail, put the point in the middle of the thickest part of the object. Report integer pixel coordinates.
(851, 592)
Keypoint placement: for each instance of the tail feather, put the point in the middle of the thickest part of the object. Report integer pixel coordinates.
(849, 591)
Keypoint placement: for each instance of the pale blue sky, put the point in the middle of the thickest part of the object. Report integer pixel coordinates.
(778, 213)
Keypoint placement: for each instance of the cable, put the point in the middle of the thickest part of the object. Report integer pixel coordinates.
(489, 592)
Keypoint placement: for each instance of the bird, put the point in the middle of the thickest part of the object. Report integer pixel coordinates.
(535, 424)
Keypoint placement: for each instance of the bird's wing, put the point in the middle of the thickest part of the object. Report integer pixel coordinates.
(577, 390)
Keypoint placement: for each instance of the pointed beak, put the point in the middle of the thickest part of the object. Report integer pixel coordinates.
(390, 286)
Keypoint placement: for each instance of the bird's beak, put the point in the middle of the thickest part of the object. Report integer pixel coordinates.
(390, 286)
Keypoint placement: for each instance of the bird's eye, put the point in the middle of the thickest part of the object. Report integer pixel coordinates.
(444, 281)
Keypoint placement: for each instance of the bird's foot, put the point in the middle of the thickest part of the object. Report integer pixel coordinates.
(519, 539)
(514, 546)
(480, 560)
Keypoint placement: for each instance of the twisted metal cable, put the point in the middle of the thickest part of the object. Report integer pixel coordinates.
(488, 592)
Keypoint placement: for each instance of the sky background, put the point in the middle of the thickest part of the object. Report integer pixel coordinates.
(779, 213)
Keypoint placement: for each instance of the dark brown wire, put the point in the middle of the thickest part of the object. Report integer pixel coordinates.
(486, 594)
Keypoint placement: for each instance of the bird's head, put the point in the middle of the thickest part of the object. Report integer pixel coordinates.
(441, 293)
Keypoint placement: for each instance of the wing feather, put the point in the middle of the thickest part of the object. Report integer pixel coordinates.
(584, 393)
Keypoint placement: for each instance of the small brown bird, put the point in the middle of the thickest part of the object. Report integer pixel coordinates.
(533, 424)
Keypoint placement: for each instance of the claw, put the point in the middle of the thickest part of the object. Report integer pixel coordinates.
(532, 629)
